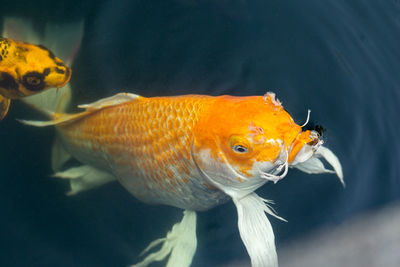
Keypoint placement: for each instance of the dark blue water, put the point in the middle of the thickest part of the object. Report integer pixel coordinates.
(338, 58)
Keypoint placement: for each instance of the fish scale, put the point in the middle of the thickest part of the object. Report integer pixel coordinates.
(147, 145)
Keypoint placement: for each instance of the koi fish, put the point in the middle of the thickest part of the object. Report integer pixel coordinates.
(193, 152)
(27, 69)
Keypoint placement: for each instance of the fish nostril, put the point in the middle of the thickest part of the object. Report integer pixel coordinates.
(60, 64)
(60, 70)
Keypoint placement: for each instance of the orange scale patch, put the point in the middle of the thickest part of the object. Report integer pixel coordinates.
(209, 186)
(169, 173)
(246, 170)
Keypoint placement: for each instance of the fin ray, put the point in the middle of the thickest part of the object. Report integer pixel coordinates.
(180, 243)
(59, 118)
(256, 230)
(59, 156)
(109, 101)
(312, 166)
(84, 177)
(19, 29)
(333, 160)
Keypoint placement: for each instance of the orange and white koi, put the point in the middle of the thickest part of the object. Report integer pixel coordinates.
(192, 152)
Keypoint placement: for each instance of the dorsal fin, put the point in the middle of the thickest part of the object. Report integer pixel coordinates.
(58, 118)
(109, 101)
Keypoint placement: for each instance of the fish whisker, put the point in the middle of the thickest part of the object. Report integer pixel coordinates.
(308, 118)
(274, 177)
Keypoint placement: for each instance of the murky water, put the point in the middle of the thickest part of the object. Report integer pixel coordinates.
(338, 58)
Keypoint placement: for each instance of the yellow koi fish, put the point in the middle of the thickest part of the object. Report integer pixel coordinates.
(27, 69)
(192, 152)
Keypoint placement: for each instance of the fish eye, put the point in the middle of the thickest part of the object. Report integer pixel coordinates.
(240, 149)
(34, 81)
(240, 146)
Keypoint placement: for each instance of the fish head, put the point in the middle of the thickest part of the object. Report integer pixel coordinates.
(243, 142)
(27, 69)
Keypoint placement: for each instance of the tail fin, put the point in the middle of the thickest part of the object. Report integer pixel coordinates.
(64, 40)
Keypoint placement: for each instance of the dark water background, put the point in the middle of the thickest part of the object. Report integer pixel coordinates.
(338, 58)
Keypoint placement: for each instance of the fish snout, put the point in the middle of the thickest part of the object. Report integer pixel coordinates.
(68, 74)
(304, 146)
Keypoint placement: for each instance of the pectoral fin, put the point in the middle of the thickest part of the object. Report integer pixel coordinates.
(4, 106)
(256, 230)
(83, 178)
(180, 244)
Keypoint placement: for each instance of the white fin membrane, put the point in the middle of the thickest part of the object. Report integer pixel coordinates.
(84, 177)
(314, 165)
(64, 39)
(256, 230)
(180, 243)
(20, 29)
(59, 156)
(109, 101)
(89, 108)
(331, 158)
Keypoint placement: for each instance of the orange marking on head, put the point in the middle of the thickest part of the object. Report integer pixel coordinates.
(170, 173)
(247, 122)
(299, 142)
(33, 68)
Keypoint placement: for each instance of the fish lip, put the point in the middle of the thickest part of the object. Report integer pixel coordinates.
(69, 74)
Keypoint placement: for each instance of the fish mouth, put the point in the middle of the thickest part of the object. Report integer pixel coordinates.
(67, 77)
(279, 169)
(303, 149)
